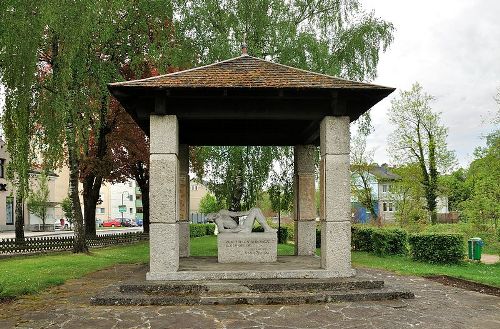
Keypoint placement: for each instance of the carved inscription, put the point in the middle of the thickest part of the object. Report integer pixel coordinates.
(247, 248)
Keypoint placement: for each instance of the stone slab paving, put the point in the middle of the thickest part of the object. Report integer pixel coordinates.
(435, 306)
(490, 259)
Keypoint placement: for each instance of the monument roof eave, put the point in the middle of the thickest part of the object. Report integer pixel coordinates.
(215, 101)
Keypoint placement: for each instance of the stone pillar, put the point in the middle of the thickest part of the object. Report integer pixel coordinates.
(335, 196)
(304, 203)
(184, 200)
(164, 197)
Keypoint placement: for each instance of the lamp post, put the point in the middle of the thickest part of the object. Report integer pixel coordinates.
(128, 194)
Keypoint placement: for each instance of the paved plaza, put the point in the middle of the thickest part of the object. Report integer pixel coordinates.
(435, 306)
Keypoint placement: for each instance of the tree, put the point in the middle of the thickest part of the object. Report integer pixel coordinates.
(331, 37)
(60, 60)
(38, 200)
(420, 137)
(281, 182)
(455, 187)
(67, 209)
(362, 181)
(408, 194)
(209, 204)
(483, 205)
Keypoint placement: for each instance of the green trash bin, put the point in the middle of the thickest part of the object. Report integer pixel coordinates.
(475, 248)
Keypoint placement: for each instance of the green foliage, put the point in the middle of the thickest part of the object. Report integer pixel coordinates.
(437, 248)
(456, 188)
(281, 187)
(283, 234)
(318, 237)
(362, 181)
(469, 230)
(210, 229)
(67, 209)
(209, 204)
(361, 237)
(197, 230)
(409, 195)
(420, 138)
(38, 200)
(389, 241)
(483, 205)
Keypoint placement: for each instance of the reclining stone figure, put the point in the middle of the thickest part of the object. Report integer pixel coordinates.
(225, 222)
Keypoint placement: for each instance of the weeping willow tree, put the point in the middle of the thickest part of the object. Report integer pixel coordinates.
(56, 62)
(335, 37)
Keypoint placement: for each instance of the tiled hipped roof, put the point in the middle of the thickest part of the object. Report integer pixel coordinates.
(246, 72)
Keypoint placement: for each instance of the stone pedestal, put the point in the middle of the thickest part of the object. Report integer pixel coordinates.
(247, 247)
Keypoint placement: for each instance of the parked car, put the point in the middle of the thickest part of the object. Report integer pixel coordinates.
(139, 222)
(112, 223)
(127, 222)
(98, 222)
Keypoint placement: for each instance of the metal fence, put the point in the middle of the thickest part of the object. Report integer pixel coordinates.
(32, 245)
(197, 218)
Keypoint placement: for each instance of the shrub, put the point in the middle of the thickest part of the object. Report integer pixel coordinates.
(197, 230)
(318, 238)
(389, 241)
(361, 238)
(437, 248)
(283, 234)
(210, 228)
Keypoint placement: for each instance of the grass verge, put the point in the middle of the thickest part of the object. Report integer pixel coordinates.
(477, 272)
(30, 274)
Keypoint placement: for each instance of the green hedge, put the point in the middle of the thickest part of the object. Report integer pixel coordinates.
(437, 248)
(283, 234)
(361, 238)
(199, 230)
(389, 241)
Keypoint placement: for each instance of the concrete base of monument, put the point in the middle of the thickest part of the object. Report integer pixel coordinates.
(253, 290)
(247, 247)
(286, 267)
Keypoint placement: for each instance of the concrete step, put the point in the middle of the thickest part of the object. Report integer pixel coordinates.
(237, 286)
(251, 298)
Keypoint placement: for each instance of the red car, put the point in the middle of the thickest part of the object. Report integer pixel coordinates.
(112, 223)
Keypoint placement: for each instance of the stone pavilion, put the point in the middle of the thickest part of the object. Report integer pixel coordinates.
(250, 101)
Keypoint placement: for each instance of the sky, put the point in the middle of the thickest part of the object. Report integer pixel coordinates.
(452, 48)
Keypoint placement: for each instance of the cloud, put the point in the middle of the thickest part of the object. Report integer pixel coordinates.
(451, 47)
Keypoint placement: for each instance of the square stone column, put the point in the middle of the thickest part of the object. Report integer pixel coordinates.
(164, 196)
(335, 196)
(184, 200)
(304, 203)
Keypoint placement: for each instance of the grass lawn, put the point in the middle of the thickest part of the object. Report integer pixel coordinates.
(31, 274)
(482, 273)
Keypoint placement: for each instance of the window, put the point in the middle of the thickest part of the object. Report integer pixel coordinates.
(2, 166)
(130, 197)
(384, 188)
(384, 206)
(131, 210)
(9, 220)
(390, 206)
(130, 184)
(139, 210)
(102, 210)
(194, 187)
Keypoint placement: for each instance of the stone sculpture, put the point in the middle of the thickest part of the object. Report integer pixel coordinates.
(225, 222)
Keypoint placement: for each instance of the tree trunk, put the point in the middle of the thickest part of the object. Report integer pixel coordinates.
(91, 189)
(80, 244)
(19, 222)
(433, 177)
